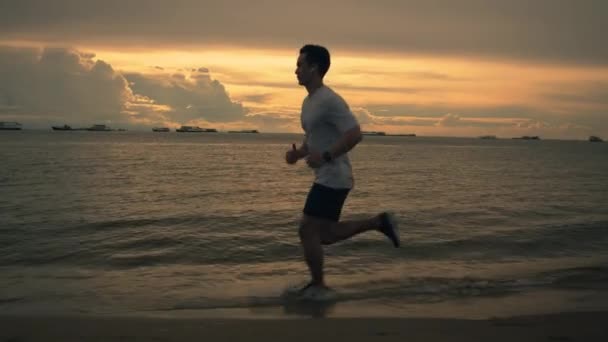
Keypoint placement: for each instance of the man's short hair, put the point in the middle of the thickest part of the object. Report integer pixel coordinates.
(317, 55)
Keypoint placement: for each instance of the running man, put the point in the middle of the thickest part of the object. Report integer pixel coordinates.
(331, 131)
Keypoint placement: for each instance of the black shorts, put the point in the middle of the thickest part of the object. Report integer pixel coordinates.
(325, 202)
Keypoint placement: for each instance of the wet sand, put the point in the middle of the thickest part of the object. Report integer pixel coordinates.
(582, 326)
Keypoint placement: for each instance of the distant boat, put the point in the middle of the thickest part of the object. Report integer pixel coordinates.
(490, 137)
(62, 128)
(403, 135)
(245, 131)
(10, 126)
(594, 138)
(99, 128)
(373, 133)
(526, 137)
(160, 129)
(195, 129)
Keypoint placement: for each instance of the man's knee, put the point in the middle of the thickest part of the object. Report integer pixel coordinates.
(311, 227)
(307, 228)
(327, 236)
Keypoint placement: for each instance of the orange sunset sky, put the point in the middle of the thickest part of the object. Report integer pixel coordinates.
(441, 68)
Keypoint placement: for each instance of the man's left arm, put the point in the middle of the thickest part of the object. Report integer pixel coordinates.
(349, 139)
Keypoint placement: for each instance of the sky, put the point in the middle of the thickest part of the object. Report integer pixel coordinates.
(429, 67)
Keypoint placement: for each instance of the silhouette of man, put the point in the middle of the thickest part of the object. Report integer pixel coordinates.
(331, 131)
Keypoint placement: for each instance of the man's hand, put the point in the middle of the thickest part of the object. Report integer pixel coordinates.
(292, 156)
(314, 160)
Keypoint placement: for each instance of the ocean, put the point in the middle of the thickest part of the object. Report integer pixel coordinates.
(186, 224)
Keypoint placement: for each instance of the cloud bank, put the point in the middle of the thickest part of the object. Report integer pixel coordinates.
(56, 86)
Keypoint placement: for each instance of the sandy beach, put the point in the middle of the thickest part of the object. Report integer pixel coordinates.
(583, 326)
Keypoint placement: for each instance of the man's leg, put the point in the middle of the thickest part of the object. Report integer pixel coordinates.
(338, 231)
(384, 223)
(310, 238)
(315, 232)
(322, 209)
(320, 226)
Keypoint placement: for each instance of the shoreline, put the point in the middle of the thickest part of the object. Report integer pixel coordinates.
(567, 326)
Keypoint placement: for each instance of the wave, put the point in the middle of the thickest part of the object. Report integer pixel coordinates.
(193, 240)
(419, 290)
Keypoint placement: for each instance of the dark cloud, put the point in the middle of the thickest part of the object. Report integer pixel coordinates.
(61, 85)
(546, 30)
(517, 117)
(430, 75)
(272, 121)
(589, 93)
(366, 117)
(259, 98)
(336, 85)
(65, 86)
(450, 120)
(399, 90)
(197, 98)
(410, 75)
(456, 124)
(439, 110)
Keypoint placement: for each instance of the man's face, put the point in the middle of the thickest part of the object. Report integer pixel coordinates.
(304, 71)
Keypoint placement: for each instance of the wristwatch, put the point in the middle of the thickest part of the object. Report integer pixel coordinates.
(327, 156)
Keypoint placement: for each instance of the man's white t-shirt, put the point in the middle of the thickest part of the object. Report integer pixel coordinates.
(325, 118)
